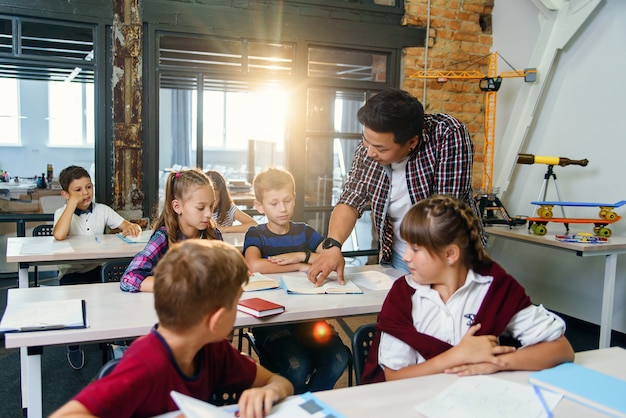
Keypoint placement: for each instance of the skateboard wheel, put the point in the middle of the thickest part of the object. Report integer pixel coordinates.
(610, 216)
(540, 229)
(605, 232)
(596, 230)
(544, 212)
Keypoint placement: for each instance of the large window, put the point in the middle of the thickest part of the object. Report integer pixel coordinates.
(47, 79)
(232, 102)
(9, 112)
(71, 118)
(264, 112)
(218, 94)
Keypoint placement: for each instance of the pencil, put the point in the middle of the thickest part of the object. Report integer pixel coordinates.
(542, 401)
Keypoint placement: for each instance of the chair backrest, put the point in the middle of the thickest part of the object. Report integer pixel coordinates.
(361, 344)
(44, 230)
(108, 367)
(112, 271)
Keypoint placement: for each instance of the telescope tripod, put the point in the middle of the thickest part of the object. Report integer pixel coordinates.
(544, 187)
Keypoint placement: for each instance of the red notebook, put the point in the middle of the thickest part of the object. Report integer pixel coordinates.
(259, 307)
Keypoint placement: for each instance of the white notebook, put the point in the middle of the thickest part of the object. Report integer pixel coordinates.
(44, 315)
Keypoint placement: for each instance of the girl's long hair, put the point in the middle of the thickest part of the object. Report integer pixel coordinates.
(224, 201)
(177, 187)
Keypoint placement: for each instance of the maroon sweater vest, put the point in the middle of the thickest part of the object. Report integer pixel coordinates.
(502, 301)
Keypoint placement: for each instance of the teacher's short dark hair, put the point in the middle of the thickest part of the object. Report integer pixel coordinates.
(394, 110)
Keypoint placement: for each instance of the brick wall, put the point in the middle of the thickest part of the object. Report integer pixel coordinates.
(459, 39)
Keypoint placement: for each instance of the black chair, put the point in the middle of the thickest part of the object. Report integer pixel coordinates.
(44, 230)
(112, 271)
(108, 367)
(361, 344)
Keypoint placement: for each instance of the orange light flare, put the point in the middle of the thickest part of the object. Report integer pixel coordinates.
(322, 332)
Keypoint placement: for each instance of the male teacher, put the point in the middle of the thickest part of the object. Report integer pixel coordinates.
(404, 156)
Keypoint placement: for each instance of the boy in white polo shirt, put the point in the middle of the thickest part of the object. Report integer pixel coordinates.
(82, 216)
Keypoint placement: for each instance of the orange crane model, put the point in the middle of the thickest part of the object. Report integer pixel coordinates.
(489, 83)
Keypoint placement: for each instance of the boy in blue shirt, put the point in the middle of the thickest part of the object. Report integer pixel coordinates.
(279, 246)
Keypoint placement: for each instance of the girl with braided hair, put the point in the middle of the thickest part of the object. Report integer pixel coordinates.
(454, 310)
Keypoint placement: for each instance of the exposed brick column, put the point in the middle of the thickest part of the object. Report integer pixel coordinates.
(460, 34)
(127, 108)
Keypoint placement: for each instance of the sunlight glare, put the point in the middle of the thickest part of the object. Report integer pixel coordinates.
(267, 115)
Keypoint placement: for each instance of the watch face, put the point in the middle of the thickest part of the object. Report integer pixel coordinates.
(329, 243)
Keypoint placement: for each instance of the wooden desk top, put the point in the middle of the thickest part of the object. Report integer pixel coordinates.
(398, 398)
(82, 248)
(113, 314)
(616, 244)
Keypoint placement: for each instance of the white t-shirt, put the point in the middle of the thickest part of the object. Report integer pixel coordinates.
(93, 223)
(399, 203)
(450, 321)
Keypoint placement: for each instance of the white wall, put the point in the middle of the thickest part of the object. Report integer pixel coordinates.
(580, 116)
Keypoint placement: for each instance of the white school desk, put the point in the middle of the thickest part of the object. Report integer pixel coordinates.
(609, 250)
(398, 398)
(84, 249)
(113, 314)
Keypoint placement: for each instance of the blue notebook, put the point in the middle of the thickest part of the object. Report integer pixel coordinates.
(581, 384)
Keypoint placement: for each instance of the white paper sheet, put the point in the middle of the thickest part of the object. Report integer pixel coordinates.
(50, 246)
(372, 280)
(487, 397)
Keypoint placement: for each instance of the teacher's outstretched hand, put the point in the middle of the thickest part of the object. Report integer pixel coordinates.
(328, 261)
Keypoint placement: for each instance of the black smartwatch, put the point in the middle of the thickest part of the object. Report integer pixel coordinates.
(329, 243)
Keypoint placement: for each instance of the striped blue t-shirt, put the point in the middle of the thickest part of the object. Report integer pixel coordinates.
(300, 237)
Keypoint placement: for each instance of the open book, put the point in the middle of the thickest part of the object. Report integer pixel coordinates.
(306, 405)
(195, 408)
(44, 315)
(298, 283)
(259, 281)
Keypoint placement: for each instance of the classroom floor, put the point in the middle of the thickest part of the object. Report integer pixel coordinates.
(61, 382)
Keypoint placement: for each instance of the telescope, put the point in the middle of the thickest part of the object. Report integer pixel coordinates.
(542, 159)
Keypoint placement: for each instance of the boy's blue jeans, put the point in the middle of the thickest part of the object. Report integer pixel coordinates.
(290, 351)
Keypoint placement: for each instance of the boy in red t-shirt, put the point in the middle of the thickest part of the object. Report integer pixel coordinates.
(196, 288)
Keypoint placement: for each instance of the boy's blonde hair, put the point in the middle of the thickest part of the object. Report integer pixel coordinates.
(272, 179)
(194, 278)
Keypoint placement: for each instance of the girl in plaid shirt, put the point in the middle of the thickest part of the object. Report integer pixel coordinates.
(187, 213)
